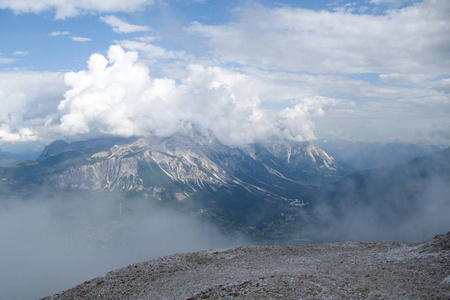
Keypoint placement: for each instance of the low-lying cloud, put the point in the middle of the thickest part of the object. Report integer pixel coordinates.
(407, 204)
(51, 245)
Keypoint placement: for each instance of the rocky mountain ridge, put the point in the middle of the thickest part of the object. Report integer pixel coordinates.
(179, 166)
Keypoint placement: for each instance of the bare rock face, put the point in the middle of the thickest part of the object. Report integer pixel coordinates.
(438, 243)
(144, 165)
(340, 270)
(195, 160)
(108, 174)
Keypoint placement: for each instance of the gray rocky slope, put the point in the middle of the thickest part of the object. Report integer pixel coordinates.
(342, 270)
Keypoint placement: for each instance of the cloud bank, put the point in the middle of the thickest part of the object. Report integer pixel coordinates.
(273, 75)
(302, 40)
(27, 101)
(387, 221)
(117, 96)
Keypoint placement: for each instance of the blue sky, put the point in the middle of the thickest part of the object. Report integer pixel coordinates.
(30, 32)
(372, 70)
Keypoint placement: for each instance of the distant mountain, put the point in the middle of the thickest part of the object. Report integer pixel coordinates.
(303, 162)
(7, 158)
(250, 189)
(80, 148)
(361, 156)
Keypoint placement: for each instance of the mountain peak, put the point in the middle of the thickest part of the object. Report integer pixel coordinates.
(304, 155)
(53, 149)
(82, 147)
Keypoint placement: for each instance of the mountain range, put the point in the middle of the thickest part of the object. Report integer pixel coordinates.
(265, 190)
(246, 188)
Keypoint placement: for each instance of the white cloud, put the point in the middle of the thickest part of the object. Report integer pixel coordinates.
(395, 3)
(393, 106)
(414, 39)
(387, 120)
(443, 85)
(297, 120)
(389, 70)
(58, 33)
(20, 53)
(27, 101)
(122, 26)
(72, 8)
(171, 63)
(6, 60)
(397, 78)
(146, 39)
(117, 96)
(151, 51)
(21, 135)
(80, 39)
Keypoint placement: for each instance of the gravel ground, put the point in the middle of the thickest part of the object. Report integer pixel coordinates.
(340, 270)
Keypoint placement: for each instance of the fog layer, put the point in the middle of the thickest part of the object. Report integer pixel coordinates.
(408, 203)
(51, 245)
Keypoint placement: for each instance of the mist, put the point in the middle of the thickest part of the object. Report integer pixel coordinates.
(49, 245)
(409, 203)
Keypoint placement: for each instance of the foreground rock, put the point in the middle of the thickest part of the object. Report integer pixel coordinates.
(319, 271)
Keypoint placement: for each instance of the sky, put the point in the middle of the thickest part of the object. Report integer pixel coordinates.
(370, 70)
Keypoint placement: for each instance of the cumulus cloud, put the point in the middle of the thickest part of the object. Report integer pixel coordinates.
(310, 41)
(121, 26)
(21, 135)
(390, 89)
(297, 120)
(72, 8)
(391, 106)
(117, 96)
(27, 100)
(80, 39)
